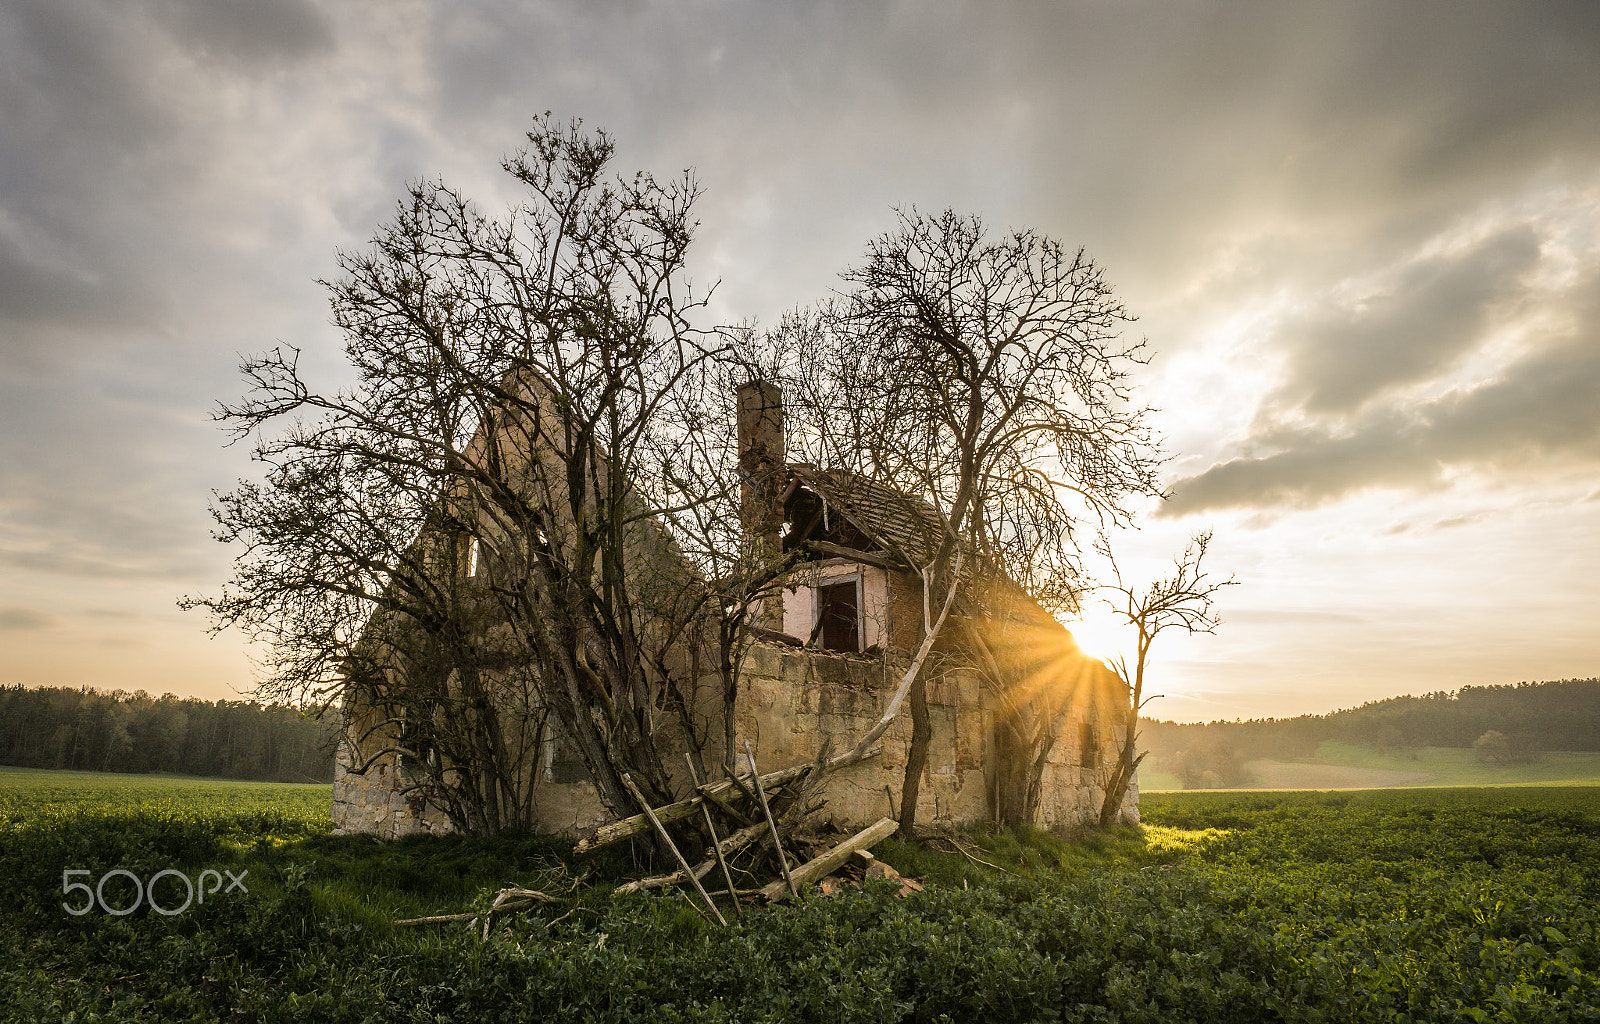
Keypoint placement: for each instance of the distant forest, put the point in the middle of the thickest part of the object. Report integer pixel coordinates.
(1529, 717)
(86, 730)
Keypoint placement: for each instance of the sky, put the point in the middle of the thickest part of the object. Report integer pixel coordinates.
(1362, 240)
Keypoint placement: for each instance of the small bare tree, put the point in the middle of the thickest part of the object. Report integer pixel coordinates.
(1183, 600)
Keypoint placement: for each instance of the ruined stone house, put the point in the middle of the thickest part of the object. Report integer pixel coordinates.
(824, 661)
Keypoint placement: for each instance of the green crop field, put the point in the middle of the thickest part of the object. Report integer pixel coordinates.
(1346, 766)
(27, 793)
(1383, 905)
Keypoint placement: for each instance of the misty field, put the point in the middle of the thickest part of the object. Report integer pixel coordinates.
(1416, 905)
(1339, 765)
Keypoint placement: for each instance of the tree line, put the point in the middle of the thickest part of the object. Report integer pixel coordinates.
(1561, 714)
(89, 730)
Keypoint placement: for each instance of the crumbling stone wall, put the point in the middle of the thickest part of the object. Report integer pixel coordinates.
(373, 803)
(791, 700)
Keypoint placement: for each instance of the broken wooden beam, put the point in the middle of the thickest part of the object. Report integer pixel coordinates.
(825, 865)
(716, 844)
(880, 559)
(638, 824)
(777, 843)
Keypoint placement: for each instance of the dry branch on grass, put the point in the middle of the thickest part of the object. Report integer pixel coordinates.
(505, 901)
(958, 844)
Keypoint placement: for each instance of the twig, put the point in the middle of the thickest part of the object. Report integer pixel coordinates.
(697, 910)
(961, 848)
(777, 844)
(505, 901)
(627, 780)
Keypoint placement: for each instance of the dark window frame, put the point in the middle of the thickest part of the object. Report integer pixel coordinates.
(842, 633)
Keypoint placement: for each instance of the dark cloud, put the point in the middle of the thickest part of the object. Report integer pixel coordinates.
(36, 293)
(13, 619)
(1418, 323)
(253, 31)
(1539, 414)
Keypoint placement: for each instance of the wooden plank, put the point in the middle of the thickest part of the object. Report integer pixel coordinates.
(834, 859)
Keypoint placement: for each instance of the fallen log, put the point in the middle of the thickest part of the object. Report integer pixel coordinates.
(831, 861)
(638, 824)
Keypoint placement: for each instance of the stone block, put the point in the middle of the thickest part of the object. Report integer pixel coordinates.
(763, 660)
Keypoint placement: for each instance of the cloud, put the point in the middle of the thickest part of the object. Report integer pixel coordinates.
(14, 619)
(252, 31)
(1539, 414)
(1417, 324)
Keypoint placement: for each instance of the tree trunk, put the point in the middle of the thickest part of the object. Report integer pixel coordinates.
(1127, 764)
(917, 756)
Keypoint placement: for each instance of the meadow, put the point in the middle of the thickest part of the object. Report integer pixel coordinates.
(1389, 905)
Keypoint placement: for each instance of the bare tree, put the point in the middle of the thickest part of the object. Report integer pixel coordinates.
(984, 378)
(1184, 600)
(510, 524)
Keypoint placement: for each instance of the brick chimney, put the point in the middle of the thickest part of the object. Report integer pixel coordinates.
(762, 470)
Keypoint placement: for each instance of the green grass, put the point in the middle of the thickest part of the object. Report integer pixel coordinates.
(212, 812)
(1383, 905)
(1153, 781)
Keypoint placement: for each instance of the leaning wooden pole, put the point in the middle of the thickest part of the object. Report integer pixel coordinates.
(777, 844)
(716, 847)
(627, 780)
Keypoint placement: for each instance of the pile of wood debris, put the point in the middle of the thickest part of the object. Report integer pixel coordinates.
(763, 821)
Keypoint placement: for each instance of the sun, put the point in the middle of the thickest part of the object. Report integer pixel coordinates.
(1100, 634)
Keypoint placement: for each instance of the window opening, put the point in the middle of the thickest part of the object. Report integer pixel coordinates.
(839, 616)
(563, 763)
(1088, 746)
